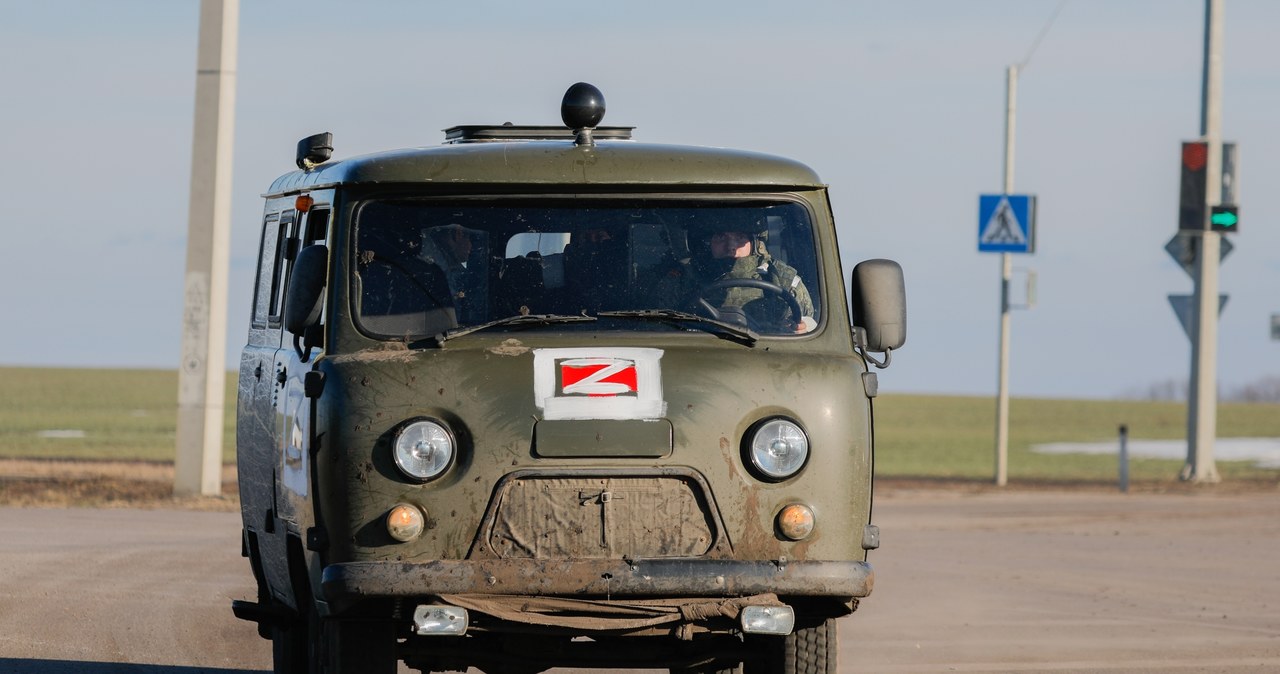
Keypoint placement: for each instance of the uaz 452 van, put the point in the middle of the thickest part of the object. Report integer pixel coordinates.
(547, 396)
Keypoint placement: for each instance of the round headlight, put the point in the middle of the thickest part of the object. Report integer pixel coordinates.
(779, 449)
(424, 450)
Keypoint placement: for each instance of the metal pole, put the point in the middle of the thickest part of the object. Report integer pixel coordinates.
(202, 372)
(1202, 403)
(1006, 272)
(1124, 458)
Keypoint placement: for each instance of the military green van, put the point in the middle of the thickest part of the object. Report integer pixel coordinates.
(550, 397)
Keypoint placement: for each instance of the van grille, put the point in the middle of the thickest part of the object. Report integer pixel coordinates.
(601, 518)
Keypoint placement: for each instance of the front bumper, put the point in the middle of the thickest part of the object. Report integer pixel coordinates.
(350, 582)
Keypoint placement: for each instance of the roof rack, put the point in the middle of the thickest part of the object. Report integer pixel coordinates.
(481, 133)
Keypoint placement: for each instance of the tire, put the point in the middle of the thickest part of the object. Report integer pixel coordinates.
(355, 647)
(810, 649)
(289, 649)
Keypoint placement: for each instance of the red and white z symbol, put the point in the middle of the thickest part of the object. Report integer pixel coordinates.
(598, 377)
(598, 383)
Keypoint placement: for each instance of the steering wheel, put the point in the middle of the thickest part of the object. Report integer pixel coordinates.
(767, 287)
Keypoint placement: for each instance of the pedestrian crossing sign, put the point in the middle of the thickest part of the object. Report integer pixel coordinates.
(1006, 223)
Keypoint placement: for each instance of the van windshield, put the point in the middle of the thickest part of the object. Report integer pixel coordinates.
(425, 267)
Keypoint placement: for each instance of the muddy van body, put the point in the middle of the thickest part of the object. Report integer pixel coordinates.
(496, 409)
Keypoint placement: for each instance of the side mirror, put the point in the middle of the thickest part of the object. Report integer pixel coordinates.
(879, 298)
(302, 304)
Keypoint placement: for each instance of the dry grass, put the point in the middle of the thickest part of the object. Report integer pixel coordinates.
(104, 484)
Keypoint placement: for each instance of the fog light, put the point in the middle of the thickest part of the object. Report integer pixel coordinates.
(778, 620)
(795, 521)
(440, 620)
(404, 522)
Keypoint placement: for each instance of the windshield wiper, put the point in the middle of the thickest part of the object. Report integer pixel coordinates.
(719, 328)
(518, 320)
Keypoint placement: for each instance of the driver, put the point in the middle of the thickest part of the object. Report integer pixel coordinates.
(741, 254)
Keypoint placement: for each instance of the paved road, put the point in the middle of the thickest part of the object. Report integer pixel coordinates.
(1022, 581)
(1072, 582)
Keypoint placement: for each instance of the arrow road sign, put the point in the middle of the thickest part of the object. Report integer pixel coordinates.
(1182, 307)
(1006, 223)
(1184, 246)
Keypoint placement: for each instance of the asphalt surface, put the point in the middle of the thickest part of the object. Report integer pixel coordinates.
(995, 582)
(1065, 582)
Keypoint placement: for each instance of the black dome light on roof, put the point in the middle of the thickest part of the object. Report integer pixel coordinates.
(582, 110)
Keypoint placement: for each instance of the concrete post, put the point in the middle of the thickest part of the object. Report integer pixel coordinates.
(202, 371)
(1202, 399)
(1006, 272)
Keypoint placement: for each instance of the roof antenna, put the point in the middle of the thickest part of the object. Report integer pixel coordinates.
(582, 109)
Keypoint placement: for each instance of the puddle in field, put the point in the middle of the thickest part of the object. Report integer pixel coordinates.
(1263, 452)
(61, 433)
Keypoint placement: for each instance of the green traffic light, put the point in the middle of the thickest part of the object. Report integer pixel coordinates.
(1225, 219)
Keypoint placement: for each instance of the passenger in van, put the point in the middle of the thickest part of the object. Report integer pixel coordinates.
(595, 267)
(741, 254)
(517, 284)
(455, 252)
(401, 293)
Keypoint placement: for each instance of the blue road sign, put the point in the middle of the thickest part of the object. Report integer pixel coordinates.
(1007, 223)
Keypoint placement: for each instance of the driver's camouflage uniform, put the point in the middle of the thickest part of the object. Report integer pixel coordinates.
(757, 304)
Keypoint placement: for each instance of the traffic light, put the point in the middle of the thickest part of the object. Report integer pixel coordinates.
(1224, 219)
(1192, 192)
(1195, 156)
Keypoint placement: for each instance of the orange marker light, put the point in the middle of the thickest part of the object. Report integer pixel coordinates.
(795, 521)
(404, 523)
(303, 203)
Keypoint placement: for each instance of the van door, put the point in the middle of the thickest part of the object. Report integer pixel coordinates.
(256, 453)
(295, 410)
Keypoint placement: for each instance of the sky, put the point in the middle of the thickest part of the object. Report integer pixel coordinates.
(899, 107)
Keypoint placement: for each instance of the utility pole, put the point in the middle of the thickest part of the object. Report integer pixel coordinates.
(202, 372)
(990, 239)
(1202, 402)
(1006, 273)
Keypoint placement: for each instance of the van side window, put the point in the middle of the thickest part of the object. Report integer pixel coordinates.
(286, 251)
(266, 269)
(317, 230)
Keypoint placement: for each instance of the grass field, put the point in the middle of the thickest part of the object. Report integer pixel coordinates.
(954, 436)
(131, 414)
(123, 414)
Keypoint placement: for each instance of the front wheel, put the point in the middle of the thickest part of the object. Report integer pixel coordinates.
(355, 647)
(289, 648)
(809, 649)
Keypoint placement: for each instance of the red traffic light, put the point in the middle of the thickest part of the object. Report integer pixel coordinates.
(1195, 155)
